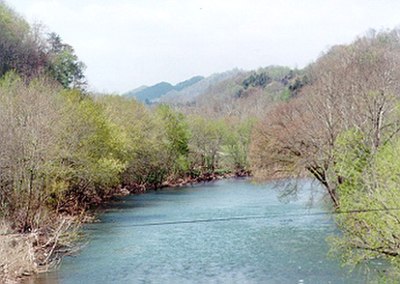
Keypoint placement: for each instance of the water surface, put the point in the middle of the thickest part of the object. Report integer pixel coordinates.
(224, 232)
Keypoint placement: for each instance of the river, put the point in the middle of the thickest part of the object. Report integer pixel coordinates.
(229, 231)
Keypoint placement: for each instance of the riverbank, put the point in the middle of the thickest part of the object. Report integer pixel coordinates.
(16, 257)
(24, 255)
(135, 188)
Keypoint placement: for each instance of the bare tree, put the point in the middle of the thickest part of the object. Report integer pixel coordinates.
(353, 87)
(28, 123)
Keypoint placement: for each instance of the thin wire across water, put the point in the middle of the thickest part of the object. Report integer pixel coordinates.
(240, 218)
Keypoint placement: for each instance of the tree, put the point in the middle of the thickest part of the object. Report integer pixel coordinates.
(370, 220)
(351, 87)
(29, 121)
(344, 131)
(65, 66)
(236, 144)
(144, 149)
(90, 155)
(25, 50)
(177, 137)
(207, 139)
(21, 46)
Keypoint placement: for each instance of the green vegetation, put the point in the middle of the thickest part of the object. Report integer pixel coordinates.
(64, 64)
(372, 192)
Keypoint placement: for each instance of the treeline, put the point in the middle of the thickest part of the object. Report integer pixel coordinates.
(343, 130)
(62, 150)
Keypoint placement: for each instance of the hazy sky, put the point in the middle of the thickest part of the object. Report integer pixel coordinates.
(128, 43)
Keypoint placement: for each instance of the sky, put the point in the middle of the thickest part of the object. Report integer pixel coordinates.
(129, 43)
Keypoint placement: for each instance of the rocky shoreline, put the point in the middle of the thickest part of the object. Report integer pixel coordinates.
(180, 182)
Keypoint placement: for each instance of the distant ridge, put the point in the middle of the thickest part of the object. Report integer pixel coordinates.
(182, 85)
(190, 93)
(153, 93)
(138, 89)
(223, 90)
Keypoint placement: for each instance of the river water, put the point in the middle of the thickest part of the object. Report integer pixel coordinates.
(229, 231)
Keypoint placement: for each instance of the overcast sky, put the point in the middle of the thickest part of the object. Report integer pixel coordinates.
(128, 43)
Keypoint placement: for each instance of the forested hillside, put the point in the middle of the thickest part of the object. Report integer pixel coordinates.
(246, 94)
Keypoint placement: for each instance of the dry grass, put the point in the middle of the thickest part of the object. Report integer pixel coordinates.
(40, 251)
(17, 257)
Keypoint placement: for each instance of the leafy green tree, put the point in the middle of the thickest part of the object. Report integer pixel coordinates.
(90, 149)
(144, 150)
(177, 137)
(236, 145)
(344, 131)
(370, 222)
(65, 66)
(24, 49)
(206, 142)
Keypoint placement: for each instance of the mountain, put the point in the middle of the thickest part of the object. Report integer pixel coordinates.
(229, 92)
(153, 93)
(133, 92)
(190, 93)
(182, 85)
